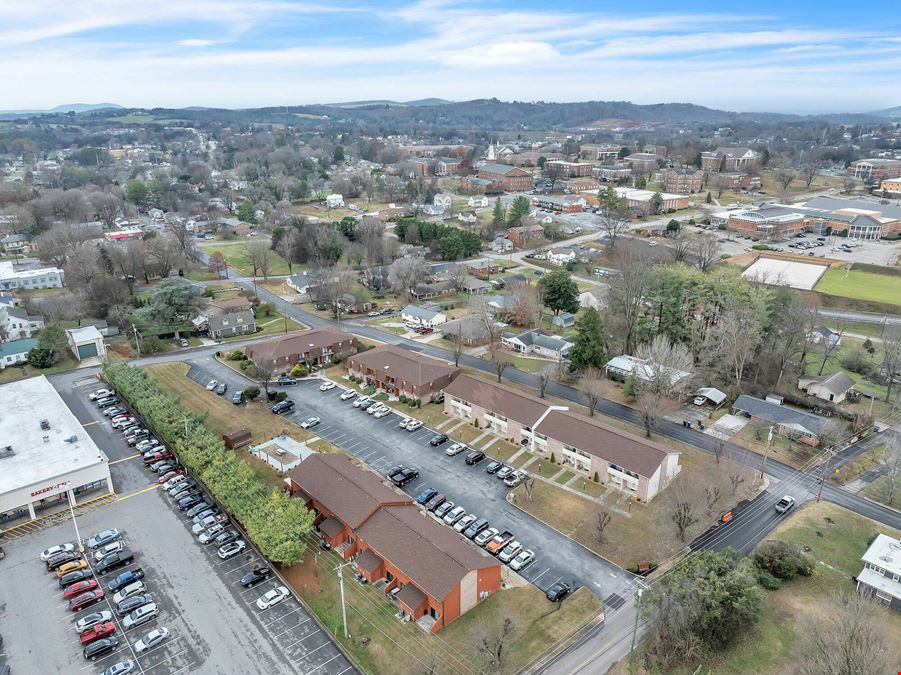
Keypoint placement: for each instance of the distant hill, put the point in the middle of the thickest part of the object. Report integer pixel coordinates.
(389, 104)
(62, 109)
(892, 113)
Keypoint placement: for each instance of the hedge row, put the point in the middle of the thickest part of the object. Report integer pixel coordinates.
(275, 522)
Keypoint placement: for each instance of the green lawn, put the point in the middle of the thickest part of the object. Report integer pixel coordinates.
(12, 373)
(235, 255)
(861, 286)
(272, 325)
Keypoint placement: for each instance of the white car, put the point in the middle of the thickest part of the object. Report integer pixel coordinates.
(152, 639)
(485, 536)
(310, 422)
(413, 425)
(347, 395)
(454, 515)
(404, 421)
(232, 549)
(91, 620)
(101, 393)
(465, 522)
(53, 550)
(700, 400)
(510, 551)
(455, 449)
(785, 504)
(212, 384)
(524, 558)
(360, 401)
(273, 597)
(175, 480)
(135, 588)
(140, 616)
(325, 386)
(209, 534)
(109, 549)
(382, 412)
(373, 409)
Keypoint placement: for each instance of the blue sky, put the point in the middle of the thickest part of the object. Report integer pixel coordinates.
(793, 56)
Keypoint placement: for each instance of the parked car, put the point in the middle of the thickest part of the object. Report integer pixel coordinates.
(153, 458)
(785, 504)
(360, 401)
(134, 588)
(413, 425)
(436, 501)
(101, 394)
(115, 410)
(558, 591)
(187, 502)
(211, 385)
(226, 538)
(373, 409)
(123, 422)
(367, 404)
(152, 639)
(74, 577)
(442, 510)
(140, 616)
(101, 630)
(103, 538)
(452, 516)
(485, 536)
(79, 588)
(273, 597)
(347, 395)
(474, 457)
(169, 474)
(56, 562)
(120, 668)
(327, 385)
(210, 533)
(109, 549)
(175, 480)
(79, 602)
(71, 566)
(310, 422)
(88, 621)
(475, 528)
(221, 389)
(125, 578)
(504, 471)
(285, 381)
(101, 647)
(107, 402)
(231, 549)
(283, 406)
(404, 476)
(384, 411)
(255, 576)
(183, 343)
(465, 522)
(510, 551)
(136, 438)
(197, 508)
(238, 397)
(500, 540)
(53, 550)
(209, 521)
(437, 440)
(493, 467)
(114, 561)
(455, 449)
(426, 495)
(129, 605)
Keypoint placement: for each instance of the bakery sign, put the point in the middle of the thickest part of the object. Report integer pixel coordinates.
(49, 488)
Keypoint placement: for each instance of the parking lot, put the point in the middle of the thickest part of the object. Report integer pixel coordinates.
(381, 444)
(214, 623)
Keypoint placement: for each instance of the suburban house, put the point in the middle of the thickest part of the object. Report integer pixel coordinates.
(443, 200)
(482, 268)
(635, 465)
(300, 283)
(477, 201)
(467, 217)
(620, 367)
(16, 323)
(467, 329)
(231, 323)
(525, 236)
(86, 342)
(510, 280)
(880, 577)
(15, 244)
(796, 424)
(539, 343)
(397, 371)
(22, 275)
(501, 304)
(820, 335)
(334, 201)
(474, 286)
(596, 297)
(16, 351)
(316, 346)
(561, 256)
(353, 303)
(683, 181)
(423, 316)
(435, 289)
(430, 572)
(239, 304)
(501, 245)
(511, 178)
(834, 387)
(729, 159)
(481, 186)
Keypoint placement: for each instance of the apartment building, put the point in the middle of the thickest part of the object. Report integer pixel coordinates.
(601, 152)
(729, 158)
(612, 173)
(562, 169)
(875, 169)
(643, 162)
(397, 371)
(28, 276)
(683, 181)
(513, 179)
(310, 347)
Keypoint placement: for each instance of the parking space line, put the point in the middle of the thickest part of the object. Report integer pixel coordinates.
(324, 644)
(158, 663)
(175, 672)
(125, 459)
(324, 663)
(318, 630)
(296, 625)
(269, 623)
(341, 673)
(539, 576)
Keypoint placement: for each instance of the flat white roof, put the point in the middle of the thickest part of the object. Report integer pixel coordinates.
(884, 552)
(67, 447)
(85, 334)
(9, 270)
(779, 272)
(290, 447)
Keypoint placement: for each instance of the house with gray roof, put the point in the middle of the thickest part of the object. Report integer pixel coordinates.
(539, 343)
(423, 316)
(233, 323)
(833, 387)
(796, 424)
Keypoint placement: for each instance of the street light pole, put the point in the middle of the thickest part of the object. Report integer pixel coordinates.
(72, 513)
(340, 569)
(637, 614)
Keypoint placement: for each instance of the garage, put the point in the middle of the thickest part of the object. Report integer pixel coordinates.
(86, 342)
(87, 351)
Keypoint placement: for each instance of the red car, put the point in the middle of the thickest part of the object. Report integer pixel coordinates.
(157, 456)
(80, 587)
(170, 474)
(85, 599)
(101, 630)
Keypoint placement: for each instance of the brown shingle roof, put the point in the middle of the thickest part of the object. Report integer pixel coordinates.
(435, 558)
(506, 401)
(231, 303)
(331, 526)
(411, 596)
(402, 364)
(299, 343)
(368, 561)
(601, 440)
(347, 491)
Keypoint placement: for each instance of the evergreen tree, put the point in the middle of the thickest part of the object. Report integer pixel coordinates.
(518, 210)
(561, 294)
(588, 350)
(246, 213)
(498, 215)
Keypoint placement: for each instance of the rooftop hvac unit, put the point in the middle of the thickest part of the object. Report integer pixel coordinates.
(6, 452)
(72, 439)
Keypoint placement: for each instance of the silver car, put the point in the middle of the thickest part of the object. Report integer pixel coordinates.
(141, 616)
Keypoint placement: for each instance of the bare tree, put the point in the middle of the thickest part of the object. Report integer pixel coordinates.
(591, 385)
(665, 362)
(718, 447)
(179, 229)
(612, 212)
(849, 639)
(525, 306)
(891, 360)
(706, 249)
(712, 496)
(892, 469)
(405, 273)
(217, 262)
(828, 346)
(501, 361)
(128, 260)
(627, 295)
(493, 642)
(652, 408)
(263, 372)
(528, 486)
(544, 377)
(458, 343)
(808, 173)
(483, 313)
(83, 263)
(681, 511)
(259, 256)
(601, 525)
(679, 243)
(735, 337)
(287, 247)
(108, 207)
(785, 177)
(167, 253)
(58, 243)
(735, 480)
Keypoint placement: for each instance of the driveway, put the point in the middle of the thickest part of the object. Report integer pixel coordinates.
(381, 444)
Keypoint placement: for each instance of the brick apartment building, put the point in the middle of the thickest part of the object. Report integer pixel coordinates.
(310, 347)
(612, 173)
(601, 152)
(727, 158)
(562, 169)
(875, 169)
(397, 371)
(428, 571)
(448, 166)
(524, 236)
(635, 465)
(643, 162)
(737, 180)
(513, 179)
(683, 181)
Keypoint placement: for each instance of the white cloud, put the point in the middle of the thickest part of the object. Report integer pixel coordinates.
(198, 42)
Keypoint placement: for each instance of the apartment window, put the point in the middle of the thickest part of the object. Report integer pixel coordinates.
(350, 539)
(882, 595)
(433, 613)
(389, 577)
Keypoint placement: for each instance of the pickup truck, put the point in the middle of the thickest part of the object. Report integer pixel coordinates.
(126, 578)
(495, 545)
(785, 504)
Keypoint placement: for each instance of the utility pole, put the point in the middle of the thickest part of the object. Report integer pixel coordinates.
(340, 569)
(637, 614)
(769, 440)
(137, 344)
(72, 513)
(823, 477)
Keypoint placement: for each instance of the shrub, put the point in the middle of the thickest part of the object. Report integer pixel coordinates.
(767, 580)
(781, 560)
(381, 396)
(40, 358)
(630, 388)
(403, 398)
(265, 309)
(151, 345)
(244, 365)
(857, 363)
(553, 459)
(760, 247)
(209, 292)
(336, 360)
(281, 396)
(369, 391)
(299, 371)
(251, 393)
(236, 355)
(633, 568)
(596, 478)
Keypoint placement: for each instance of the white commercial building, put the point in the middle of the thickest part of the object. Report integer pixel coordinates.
(13, 275)
(45, 452)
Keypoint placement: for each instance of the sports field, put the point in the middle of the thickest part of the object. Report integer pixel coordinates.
(861, 286)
